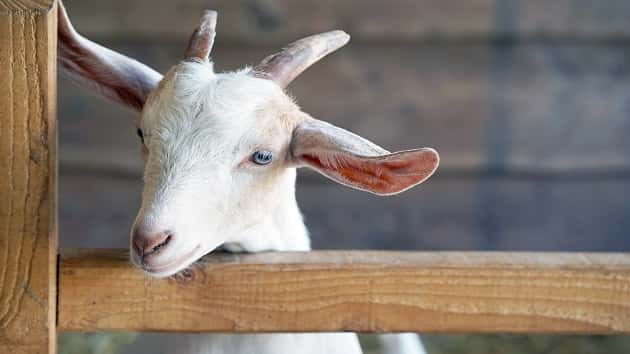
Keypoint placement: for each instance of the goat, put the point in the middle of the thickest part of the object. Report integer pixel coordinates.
(220, 153)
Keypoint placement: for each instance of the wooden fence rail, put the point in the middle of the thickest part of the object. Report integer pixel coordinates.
(472, 292)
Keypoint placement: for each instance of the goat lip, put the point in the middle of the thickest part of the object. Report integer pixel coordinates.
(173, 265)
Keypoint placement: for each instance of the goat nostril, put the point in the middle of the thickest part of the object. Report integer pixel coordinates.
(162, 244)
(155, 243)
(147, 244)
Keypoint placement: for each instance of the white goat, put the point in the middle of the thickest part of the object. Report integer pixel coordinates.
(221, 152)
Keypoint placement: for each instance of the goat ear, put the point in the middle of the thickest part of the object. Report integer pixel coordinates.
(358, 163)
(112, 75)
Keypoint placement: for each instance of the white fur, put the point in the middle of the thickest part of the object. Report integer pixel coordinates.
(201, 188)
(200, 130)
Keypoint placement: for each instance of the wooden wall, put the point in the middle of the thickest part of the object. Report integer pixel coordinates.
(527, 101)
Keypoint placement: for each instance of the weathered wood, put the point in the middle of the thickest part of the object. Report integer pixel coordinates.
(527, 108)
(279, 21)
(476, 213)
(28, 235)
(351, 291)
(283, 20)
(473, 214)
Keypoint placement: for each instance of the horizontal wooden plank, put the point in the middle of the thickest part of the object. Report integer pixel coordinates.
(351, 291)
(549, 108)
(258, 21)
(96, 211)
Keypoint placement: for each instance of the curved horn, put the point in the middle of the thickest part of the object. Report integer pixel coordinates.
(286, 65)
(111, 74)
(202, 39)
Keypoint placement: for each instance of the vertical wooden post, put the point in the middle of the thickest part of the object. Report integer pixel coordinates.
(28, 142)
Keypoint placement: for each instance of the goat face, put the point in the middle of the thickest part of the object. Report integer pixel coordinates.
(221, 149)
(217, 163)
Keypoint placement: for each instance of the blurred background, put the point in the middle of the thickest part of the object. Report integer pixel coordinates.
(528, 103)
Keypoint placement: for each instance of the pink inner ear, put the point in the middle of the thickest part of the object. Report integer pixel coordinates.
(384, 175)
(110, 74)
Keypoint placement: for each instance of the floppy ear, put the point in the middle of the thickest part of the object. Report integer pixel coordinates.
(356, 162)
(112, 75)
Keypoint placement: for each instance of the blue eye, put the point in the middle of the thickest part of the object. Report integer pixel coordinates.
(262, 157)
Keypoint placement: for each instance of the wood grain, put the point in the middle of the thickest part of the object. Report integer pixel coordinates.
(28, 240)
(352, 291)
(281, 21)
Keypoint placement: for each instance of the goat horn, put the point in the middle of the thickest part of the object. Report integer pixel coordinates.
(287, 64)
(202, 39)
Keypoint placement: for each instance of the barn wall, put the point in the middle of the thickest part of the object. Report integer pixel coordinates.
(527, 101)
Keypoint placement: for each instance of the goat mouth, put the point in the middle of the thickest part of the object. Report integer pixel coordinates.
(171, 267)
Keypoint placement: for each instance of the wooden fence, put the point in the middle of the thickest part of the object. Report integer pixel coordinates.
(42, 293)
(362, 291)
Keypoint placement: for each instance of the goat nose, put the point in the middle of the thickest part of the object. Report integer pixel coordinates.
(145, 243)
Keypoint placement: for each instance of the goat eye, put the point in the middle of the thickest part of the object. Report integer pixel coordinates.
(262, 157)
(140, 135)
